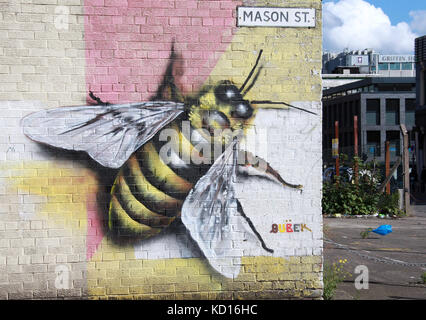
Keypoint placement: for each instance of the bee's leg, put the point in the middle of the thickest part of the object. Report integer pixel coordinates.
(168, 89)
(264, 167)
(97, 99)
(241, 211)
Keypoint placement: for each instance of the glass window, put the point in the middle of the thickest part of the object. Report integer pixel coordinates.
(351, 113)
(424, 88)
(407, 66)
(383, 66)
(394, 143)
(392, 112)
(373, 143)
(395, 66)
(373, 112)
(410, 111)
(345, 115)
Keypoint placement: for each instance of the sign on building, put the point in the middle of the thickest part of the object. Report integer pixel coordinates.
(396, 58)
(275, 17)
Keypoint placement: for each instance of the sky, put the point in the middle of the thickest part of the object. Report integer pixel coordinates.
(387, 26)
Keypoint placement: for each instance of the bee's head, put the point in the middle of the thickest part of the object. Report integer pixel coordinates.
(227, 93)
(221, 107)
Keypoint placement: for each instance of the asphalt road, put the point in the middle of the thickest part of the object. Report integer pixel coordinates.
(395, 262)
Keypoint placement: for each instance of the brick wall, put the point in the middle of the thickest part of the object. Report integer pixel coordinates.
(54, 237)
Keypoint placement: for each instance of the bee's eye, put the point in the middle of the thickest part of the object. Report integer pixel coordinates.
(227, 93)
(214, 119)
(242, 109)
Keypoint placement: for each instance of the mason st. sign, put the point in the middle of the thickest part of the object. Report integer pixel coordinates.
(275, 17)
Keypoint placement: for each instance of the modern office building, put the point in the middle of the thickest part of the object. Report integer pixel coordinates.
(332, 80)
(349, 62)
(420, 130)
(350, 66)
(381, 104)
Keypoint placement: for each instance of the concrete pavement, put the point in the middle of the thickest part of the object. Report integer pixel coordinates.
(395, 262)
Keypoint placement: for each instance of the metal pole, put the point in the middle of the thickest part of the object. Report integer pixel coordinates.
(406, 168)
(356, 147)
(387, 165)
(336, 135)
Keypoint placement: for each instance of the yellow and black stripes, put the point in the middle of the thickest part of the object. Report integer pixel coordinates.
(148, 193)
(159, 174)
(181, 153)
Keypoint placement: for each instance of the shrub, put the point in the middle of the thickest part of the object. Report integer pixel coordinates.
(333, 275)
(345, 196)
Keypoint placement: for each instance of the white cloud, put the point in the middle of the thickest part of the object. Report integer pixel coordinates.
(356, 24)
(419, 21)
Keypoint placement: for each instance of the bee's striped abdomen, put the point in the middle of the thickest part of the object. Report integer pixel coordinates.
(148, 193)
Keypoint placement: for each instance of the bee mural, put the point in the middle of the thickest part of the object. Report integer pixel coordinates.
(151, 192)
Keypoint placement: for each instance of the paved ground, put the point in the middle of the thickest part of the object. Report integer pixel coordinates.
(395, 262)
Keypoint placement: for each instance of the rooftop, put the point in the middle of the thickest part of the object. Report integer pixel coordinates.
(376, 84)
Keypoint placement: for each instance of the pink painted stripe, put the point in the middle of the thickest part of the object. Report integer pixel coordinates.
(128, 44)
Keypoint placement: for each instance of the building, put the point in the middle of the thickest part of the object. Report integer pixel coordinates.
(350, 66)
(349, 62)
(332, 80)
(369, 62)
(381, 105)
(420, 50)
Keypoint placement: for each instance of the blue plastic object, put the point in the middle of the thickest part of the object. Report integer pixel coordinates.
(383, 230)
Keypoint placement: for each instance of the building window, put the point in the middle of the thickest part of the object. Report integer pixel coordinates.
(373, 144)
(383, 66)
(422, 97)
(394, 143)
(373, 112)
(395, 66)
(410, 111)
(345, 143)
(407, 66)
(392, 112)
(344, 115)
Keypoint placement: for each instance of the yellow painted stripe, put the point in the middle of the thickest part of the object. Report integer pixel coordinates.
(135, 209)
(160, 175)
(185, 147)
(120, 222)
(145, 192)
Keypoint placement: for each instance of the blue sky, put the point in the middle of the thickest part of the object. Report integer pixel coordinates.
(398, 10)
(388, 26)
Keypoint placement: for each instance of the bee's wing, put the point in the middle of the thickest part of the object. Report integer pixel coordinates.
(108, 133)
(210, 213)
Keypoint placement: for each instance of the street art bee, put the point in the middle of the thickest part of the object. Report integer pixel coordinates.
(149, 193)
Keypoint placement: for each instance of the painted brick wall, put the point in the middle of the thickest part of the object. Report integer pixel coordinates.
(54, 235)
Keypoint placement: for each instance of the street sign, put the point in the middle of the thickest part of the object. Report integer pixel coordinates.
(276, 17)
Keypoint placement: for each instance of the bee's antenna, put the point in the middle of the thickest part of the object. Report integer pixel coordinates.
(253, 82)
(97, 99)
(283, 103)
(252, 70)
